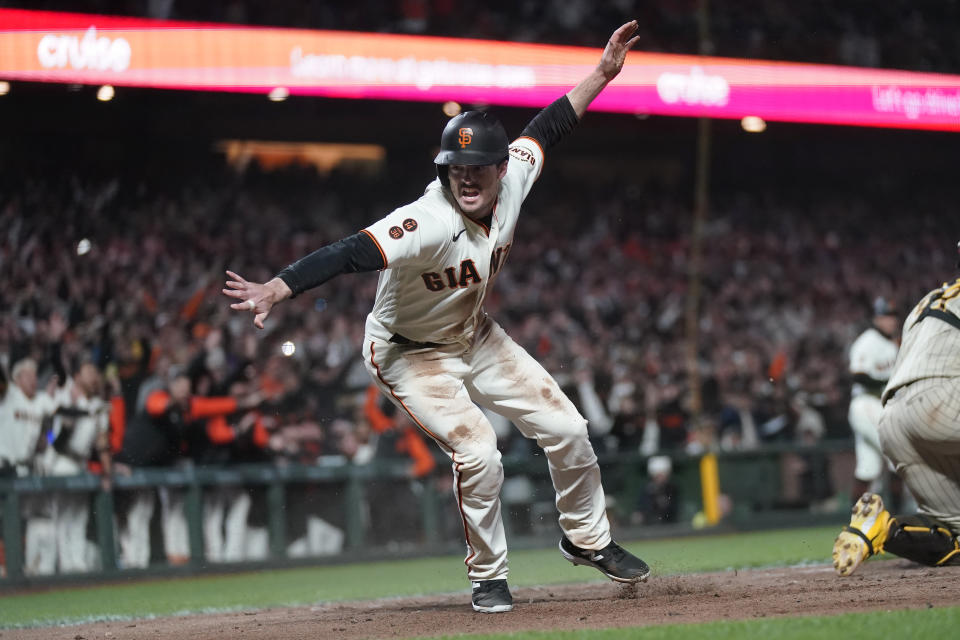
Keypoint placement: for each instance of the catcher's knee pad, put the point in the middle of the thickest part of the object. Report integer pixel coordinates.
(922, 539)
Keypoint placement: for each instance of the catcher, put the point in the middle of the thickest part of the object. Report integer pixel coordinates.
(919, 432)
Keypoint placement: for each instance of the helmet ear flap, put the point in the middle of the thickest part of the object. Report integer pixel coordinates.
(443, 174)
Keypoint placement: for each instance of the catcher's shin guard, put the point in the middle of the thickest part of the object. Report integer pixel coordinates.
(924, 540)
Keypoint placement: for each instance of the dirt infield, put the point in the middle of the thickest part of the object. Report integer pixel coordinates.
(729, 595)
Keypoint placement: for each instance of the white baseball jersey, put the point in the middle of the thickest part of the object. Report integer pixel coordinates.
(83, 438)
(872, 354)
(21, 419)
(440, 263)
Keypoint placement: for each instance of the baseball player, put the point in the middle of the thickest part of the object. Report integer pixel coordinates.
(22, 416)
(80, 427)
(919, 431)
(433, 351)
(872, 356)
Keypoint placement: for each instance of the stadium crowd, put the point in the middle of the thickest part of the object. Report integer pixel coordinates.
(897, 34)
(114, 325)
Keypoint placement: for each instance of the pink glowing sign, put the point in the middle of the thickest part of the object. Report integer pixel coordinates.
(77, 48)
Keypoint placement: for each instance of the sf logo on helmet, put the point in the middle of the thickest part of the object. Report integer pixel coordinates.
(466, 136)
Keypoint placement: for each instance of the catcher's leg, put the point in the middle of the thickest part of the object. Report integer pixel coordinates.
(922, 539)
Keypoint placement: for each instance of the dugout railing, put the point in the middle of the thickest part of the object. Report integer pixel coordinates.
(380, 511)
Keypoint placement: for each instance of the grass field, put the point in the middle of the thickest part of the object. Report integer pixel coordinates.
(261, 589)
(861, 626)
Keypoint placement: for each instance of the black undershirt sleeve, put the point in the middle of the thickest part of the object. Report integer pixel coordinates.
(552, 123)
(871, 385)
(354, 254)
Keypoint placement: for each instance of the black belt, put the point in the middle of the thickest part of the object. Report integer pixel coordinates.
(399, 339)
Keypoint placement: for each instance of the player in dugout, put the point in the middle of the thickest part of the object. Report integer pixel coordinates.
(434, 352)
(919, 431)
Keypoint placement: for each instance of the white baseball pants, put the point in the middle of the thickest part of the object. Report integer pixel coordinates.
(440, 389)
(920, 432)
(225, 511)
(863, 415)
(173, 516)
(135, 536)
(72, 514)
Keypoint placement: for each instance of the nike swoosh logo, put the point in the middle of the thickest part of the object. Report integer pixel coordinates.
(457, 235)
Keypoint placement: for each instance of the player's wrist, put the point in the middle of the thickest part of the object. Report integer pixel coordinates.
(278, 290)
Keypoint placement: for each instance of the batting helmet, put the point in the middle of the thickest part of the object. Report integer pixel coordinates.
(471, 138)
(883, 307)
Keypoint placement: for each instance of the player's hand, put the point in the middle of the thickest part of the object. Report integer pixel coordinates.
(255, 297)
(616, 50)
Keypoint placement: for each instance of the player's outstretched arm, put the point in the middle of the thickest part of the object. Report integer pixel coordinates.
(611, 62)
(354, 254)
(256, 297)
(561, 116)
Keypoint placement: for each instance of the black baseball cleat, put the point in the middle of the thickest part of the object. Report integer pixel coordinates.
(492, 596)
(613, 561)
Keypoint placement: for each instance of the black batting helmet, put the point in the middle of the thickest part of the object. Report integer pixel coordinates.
(471, 138)
(883, 307)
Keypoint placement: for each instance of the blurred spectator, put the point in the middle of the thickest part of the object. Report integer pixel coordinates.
(174, 419)
(805, 472)
(659, 500)
(394, 504)
(668, 416)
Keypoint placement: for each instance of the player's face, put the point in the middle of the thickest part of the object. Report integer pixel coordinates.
(476, 187)
(27, 381)
(887, 324)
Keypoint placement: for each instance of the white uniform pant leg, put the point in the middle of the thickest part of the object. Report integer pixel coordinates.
(920, 433)
(427, 384)
(506, 379)
(214, 505)
(71, 531)
(864, 415)
(135, 536)
(235, 524)
(176, 537)
(40, 545)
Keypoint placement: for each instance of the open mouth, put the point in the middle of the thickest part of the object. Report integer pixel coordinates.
(469, 196)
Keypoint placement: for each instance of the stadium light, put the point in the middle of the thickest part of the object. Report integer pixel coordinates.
(278, 94)
(4, 87)
(753, 124)
(105, 93)
(451, 108)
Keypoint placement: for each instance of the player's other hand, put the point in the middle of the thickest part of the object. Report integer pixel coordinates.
(616, 50)
(255, 297)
